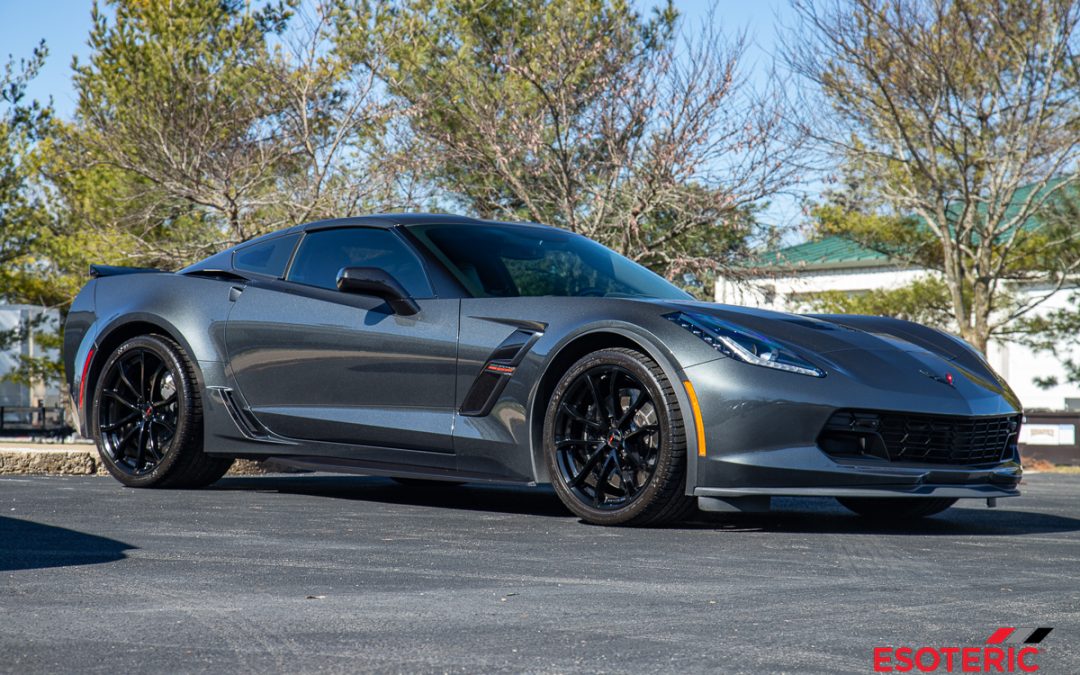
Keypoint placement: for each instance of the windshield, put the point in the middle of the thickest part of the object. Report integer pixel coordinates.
(503, 261)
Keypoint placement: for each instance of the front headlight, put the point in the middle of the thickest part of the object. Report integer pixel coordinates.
(742, 344)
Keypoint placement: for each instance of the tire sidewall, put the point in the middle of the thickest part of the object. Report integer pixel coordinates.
(185, 388)
(668, 432)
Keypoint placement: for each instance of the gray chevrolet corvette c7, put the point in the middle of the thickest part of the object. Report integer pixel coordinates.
(434, 348)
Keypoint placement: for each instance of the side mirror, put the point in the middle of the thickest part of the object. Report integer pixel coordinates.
(376, 282)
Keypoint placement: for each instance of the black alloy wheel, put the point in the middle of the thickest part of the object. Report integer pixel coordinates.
(607, 440)
(139, 412)
(615, 442)
(147, 417)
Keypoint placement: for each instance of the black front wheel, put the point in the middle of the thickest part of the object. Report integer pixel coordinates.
(147, 417)
(896, 508)
(615, 442)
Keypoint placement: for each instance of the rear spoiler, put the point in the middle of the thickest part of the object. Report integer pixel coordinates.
(115, 270)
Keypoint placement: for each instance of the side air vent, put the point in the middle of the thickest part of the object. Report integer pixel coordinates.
(244, 420)
(497, 370)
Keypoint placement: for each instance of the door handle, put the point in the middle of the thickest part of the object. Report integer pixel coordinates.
(234, 293)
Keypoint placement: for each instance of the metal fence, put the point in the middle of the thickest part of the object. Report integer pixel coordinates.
(35, 422)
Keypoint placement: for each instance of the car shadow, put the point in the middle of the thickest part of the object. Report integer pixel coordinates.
(826, 516)
(524, 500)
(26, 545)
(789, 514)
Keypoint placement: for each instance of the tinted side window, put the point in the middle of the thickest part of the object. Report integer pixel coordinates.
(322, 254)
(268, 257)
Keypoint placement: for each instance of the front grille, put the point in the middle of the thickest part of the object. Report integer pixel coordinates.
(930, 439)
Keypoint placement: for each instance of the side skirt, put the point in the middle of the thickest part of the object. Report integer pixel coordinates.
(367, 468)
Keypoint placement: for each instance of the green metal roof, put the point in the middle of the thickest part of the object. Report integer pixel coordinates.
(838, 251)
(834, 251)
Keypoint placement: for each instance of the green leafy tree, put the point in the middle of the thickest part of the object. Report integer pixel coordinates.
(924, 301)
(202, 123)
(22, 124)
(1057, 332)
(27, 226)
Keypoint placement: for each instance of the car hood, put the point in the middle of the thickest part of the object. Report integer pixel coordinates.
(888, 354)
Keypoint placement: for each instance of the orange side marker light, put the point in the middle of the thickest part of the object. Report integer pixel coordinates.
(696, 409)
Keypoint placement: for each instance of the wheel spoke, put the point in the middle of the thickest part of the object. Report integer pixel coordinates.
(168, 400)
(140, 453)
(577, 442)
(587, 467)
(627, 481)
(169, 428)
(115, 395)
(124, 378)
(599, 495)
(613, 394)
(113, 426)
(634, 461)
(631, 410)
(648, 428)
(142, 374)
(152, 444)
(119, 454)
(155, 379)
(594, 391)
(579, 417)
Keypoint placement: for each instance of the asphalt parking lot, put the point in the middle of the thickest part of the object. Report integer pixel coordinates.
(329, 573)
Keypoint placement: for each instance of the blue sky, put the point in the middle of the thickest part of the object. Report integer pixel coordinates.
(65, 25)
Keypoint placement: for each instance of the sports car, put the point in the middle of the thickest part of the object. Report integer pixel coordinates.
(441, 348)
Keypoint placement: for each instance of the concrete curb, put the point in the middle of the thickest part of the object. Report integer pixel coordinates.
(43, 460)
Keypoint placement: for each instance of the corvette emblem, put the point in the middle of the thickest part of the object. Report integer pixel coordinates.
(948, 379)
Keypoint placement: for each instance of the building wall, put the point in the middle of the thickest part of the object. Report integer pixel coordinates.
(11, 393)
(782, 292)
(1017, 364)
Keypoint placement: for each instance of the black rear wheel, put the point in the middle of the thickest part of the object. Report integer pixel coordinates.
(896, 508)
(147, 417)
(615, 443)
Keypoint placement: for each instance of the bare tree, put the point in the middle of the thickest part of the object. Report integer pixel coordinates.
(963, 113)
(630, 132)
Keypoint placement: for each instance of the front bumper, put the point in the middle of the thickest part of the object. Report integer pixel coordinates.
(809, 472)
(761, 439)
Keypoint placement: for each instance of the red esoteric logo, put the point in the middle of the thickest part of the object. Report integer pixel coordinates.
(1007, 650)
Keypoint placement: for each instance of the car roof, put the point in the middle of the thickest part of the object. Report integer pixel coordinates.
(394, 219)
(223, 259)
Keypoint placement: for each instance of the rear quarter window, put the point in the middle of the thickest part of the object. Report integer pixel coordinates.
(266, 257)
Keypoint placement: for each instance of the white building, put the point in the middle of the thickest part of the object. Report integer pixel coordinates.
(782, 277)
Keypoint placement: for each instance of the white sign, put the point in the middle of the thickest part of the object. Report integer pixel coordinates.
(1048, 434)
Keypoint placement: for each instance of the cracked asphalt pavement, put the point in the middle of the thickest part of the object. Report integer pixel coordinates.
(321, 573)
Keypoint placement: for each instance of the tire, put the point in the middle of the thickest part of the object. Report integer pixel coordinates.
(633, 474)
(148, 425)
(896, 508)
